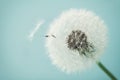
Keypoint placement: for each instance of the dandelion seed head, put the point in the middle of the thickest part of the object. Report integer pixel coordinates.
(80, 40)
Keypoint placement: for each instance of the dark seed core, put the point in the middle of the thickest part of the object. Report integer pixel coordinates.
(77, 40)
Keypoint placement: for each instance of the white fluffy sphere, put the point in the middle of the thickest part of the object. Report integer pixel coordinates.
(70, 60)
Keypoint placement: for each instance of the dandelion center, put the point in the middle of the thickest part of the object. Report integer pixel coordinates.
(77, 40)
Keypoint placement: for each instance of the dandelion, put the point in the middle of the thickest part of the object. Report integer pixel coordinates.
(80, 37)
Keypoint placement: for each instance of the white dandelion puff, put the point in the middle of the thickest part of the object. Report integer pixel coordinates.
(80, 39)
(31, 35)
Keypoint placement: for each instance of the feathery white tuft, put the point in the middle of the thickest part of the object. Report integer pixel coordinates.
(31, 35)
(74, 19)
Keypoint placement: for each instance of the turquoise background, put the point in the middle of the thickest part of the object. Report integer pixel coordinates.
(21, 59)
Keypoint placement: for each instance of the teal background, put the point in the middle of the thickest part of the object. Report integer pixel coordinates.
(21, 59)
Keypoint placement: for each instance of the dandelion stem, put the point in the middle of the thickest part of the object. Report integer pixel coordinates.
(106, 71)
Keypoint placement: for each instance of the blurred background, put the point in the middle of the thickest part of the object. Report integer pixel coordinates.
(22, 59)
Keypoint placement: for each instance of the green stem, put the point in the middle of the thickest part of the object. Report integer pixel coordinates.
(106, 71)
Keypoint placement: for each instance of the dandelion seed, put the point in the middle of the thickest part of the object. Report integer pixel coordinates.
(80, 40)
(31, 35)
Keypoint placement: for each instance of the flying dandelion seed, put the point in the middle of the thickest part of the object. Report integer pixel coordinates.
(80, 40)
(76, 40)
(31, 35)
